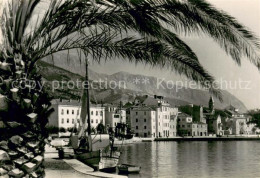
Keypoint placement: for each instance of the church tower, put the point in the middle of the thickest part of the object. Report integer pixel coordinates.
(211, 105)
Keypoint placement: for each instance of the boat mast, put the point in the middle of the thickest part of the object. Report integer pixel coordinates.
(85, 110)
(88, 108)
(120, 106)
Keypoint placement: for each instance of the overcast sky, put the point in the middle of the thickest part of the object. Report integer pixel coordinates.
(214, 59)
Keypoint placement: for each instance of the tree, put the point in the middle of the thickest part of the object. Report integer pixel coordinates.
(100, 128)
(98, 30)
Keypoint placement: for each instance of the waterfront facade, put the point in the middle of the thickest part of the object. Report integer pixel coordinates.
(162, 117)
(186, 126)
(143, 121)
(67, 114)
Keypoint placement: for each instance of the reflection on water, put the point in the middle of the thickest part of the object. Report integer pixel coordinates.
(195, 159)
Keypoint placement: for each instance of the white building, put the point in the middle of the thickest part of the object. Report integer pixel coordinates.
(67, 114)
(143, 121)
(165, 117)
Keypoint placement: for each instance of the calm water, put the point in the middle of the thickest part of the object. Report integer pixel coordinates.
(195, 159)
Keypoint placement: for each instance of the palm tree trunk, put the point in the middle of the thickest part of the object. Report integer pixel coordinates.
(24, 110)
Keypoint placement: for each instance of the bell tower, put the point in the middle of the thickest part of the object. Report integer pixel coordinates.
(211, 104)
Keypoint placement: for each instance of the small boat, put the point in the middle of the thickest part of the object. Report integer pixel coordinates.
(127, 168)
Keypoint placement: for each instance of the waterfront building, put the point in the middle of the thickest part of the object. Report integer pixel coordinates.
(67, 114)
(173, 122)
(143, 121)
(113, 115)
(164, 116)
(217, 126)
(186, 126)
(238, 123)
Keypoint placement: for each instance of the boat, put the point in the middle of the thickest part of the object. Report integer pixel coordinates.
(96, 151)
(100, 160)
(127, 168)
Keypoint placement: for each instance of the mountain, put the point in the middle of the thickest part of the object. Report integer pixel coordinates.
(123, 86)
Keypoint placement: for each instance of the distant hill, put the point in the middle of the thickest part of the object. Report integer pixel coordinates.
(134, 85)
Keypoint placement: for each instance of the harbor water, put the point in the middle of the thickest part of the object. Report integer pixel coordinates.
(194, 158)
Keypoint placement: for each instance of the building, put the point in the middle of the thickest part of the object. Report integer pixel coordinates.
(143, 121)
(238, 123)
(67, 114)
(173, 122)
(159, 110)
(218, 126)
(114, 115)
(186, 126)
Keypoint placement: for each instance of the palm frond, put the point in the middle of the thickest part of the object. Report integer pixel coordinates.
(100, 28)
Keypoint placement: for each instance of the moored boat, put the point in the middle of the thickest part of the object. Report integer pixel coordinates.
(127, 168)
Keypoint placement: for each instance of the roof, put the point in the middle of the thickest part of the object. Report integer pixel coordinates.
(150, 101)
(183, 115)
(71, 103)
(143, 108)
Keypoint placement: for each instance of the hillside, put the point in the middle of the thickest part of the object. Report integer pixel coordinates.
(131, 86)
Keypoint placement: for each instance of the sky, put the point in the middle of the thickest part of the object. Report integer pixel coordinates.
(211, 56)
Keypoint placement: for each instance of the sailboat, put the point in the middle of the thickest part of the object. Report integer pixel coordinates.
(96, 151)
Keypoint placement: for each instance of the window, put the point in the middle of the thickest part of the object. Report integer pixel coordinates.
(78, 120)
(136, 113)
(101, 113)
(68, 111)
(72, 121)
(136, 120)
(144, 120)
(68, 121)
(144, 113)
(72, 111)
(136, 127)
(116, 116)
(96, 113)
(144, 127)
(91, 112)
(77, 112)
(96, 120)
(183, 126)
(62, 121)
(92, 121)
(62, 112)
(188, 125)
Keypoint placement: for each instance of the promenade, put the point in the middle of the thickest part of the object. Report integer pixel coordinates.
(68, 168)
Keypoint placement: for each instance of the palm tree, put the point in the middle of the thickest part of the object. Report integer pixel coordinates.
(98, 30)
